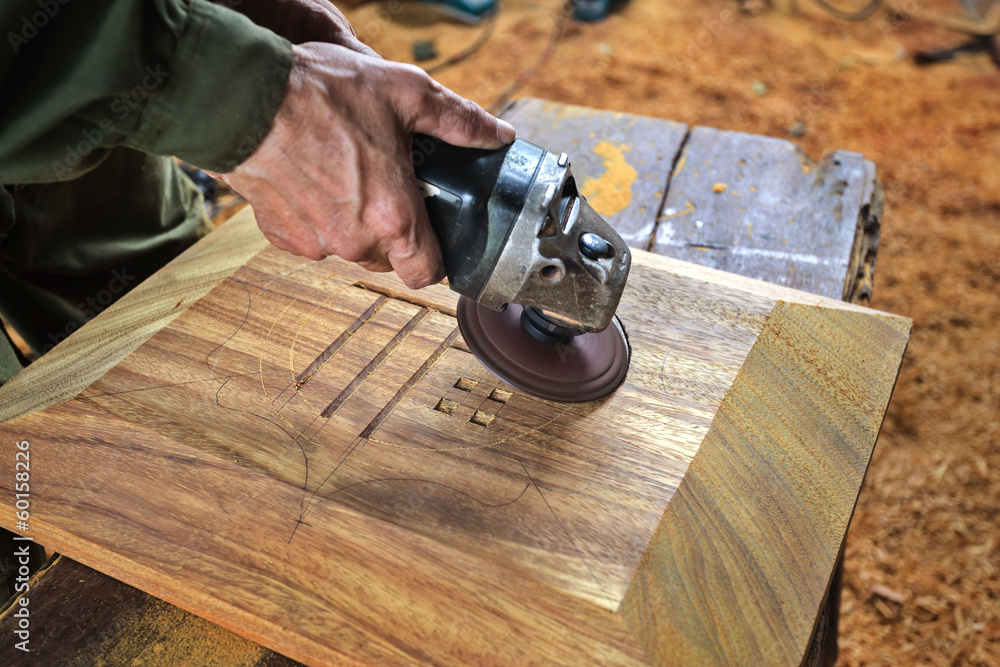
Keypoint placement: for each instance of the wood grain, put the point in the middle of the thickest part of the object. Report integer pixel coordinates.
(63, 372)
(740, 579)
(758, 206)
(394, 533)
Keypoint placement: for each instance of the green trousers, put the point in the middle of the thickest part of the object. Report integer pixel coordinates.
(68, 250)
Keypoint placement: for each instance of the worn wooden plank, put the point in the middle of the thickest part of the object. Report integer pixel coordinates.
(781, 217)
(82, 617)
(621, 161)
(431, 539)
(758, 206)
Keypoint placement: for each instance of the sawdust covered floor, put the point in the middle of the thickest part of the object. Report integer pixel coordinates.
(922, 581)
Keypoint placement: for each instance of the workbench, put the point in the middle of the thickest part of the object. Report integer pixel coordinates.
(751, 205)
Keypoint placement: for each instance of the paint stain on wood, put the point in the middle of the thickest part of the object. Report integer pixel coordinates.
(611, 193)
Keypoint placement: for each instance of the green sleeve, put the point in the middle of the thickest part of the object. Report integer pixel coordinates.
(170, 77)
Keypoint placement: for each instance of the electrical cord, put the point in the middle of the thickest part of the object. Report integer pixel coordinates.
(484, 36)
(859, 15)
(527, 74)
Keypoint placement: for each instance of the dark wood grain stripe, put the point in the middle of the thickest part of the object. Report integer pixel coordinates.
(339, 343)
(409, 384)
(372, 365)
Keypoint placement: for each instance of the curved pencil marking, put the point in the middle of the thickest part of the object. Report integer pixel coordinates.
(221, 345)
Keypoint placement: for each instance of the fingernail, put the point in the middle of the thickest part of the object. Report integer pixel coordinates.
(506, 131)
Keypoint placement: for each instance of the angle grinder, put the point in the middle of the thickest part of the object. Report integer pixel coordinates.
(540, 272)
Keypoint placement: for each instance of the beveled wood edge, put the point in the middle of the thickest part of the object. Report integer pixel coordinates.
(75, 363)
(690, 508)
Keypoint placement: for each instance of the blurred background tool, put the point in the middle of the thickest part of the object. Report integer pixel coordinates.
(467, 11)
(593, 10)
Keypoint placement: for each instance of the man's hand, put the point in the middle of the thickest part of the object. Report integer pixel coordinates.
(334, 175)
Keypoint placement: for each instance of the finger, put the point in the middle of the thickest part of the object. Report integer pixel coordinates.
(380, 265)
(416, 258)
(357, 45)
(448, 116)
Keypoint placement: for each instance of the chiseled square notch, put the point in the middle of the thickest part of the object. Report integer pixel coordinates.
(482, 418)
(465, 384)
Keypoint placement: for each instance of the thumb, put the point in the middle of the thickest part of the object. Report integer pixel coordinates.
(459, 121)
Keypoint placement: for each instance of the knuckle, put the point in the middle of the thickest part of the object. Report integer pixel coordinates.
(424, 90)
(353, 253)
(472, 117)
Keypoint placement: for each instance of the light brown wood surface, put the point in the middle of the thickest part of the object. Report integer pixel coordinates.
(301, 456)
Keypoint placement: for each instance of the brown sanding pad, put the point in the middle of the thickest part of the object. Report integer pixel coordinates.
(588, 367)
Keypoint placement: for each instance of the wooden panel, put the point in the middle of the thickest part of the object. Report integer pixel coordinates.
(760, 207)
(82, 617)
(621, 161)
(218, 469)
(738, 581)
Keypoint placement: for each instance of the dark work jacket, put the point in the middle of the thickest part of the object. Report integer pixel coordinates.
(169, 77)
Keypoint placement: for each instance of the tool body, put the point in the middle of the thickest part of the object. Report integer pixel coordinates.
(514, 229)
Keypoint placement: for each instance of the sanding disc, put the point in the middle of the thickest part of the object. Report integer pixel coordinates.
(588, 367)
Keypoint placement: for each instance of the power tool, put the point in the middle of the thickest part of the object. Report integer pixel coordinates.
(539, 272)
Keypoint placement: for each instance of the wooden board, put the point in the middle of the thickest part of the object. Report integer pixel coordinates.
(757, 205)
(417, 535)
(621, 161)
(744, 203)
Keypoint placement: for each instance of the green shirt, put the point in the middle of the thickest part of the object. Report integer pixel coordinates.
(170, 77)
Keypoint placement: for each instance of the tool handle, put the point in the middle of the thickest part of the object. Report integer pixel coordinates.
(473, 197)
(456, 182)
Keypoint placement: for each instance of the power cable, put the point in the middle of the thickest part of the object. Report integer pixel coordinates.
(484, 36)
(527, 74)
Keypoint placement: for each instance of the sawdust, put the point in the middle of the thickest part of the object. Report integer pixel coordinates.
(611, 192)
(926, 521)
(165, 635)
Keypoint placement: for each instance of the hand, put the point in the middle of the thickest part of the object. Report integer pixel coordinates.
(334, 175)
